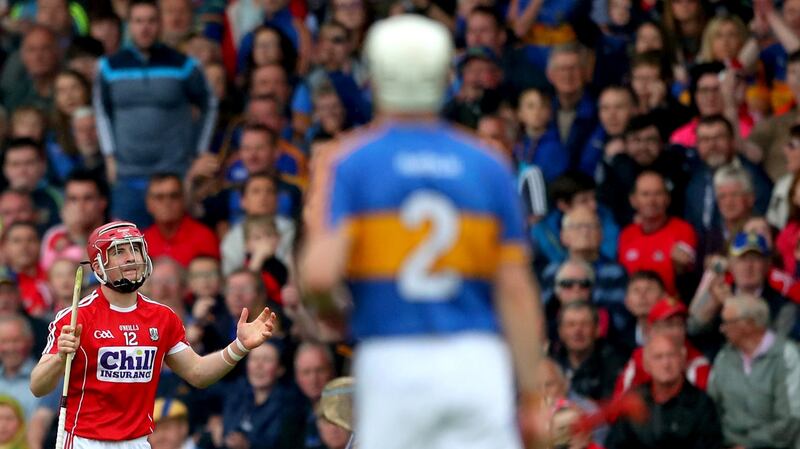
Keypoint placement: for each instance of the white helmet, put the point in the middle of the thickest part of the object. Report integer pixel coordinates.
(408, 58)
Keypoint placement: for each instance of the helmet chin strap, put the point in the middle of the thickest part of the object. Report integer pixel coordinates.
(125, 285)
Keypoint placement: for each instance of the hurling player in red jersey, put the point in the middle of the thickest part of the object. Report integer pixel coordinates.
(120, 341)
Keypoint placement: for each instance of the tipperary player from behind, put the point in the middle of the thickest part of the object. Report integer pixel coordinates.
(120, 341)
(425, 226)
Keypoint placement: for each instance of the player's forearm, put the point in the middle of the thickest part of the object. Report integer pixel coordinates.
(520, 312)
(213, 367)
(46, 374)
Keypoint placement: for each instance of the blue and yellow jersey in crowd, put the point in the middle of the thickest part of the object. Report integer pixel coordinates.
(430, 215)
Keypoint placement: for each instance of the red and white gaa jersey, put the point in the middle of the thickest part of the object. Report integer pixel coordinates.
(115, 372)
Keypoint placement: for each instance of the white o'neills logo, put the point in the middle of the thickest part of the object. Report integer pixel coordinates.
(125, 364)
(103, 334)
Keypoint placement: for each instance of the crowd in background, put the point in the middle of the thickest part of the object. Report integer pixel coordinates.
(657, 150)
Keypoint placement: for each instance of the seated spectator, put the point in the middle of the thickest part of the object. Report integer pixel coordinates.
(11, 306)
(167, 285)
(174, 233)
(645, 288)
(17, 361)
(24, 164)
(28, 122)
(754, 379)
(789, 235)
(16, 205)
(258, 152)
(733, 192)
(749, 267)
(680, 414)
(85, 204)
(479, 92)
(60, 278)
(176, 21)
(243, 289)
(12, 432)
(329, 118)
(261, 239)
(656, 241)
(335, 414)
(539, 144)
(83, 55)
(707, 95)
(643, 150)
(716, 148)
(581, 235)
(171, 419)
(259, 197)
(555, 388)
(574, 280)
(782, 199)
(72, 91)
(572, 189)
(20, 245)
(258, 408)
(615, 108)
(651, 76)
(666, 318)
(204, 278)
(770, 135)
(574, 108)
(29, 79)
(84, 131)
(313, 369)
(589, 363)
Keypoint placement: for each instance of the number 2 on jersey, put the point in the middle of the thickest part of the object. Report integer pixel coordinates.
(130, 338)
(416, 281)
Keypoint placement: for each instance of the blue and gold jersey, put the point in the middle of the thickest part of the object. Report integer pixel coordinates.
(430, 215)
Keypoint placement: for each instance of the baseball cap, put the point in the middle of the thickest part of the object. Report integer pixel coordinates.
(167, 408)
(7, 276)
(484, 53)
(666, 307)
(748, 241)
(336, 402)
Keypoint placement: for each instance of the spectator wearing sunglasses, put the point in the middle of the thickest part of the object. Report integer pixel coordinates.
(574, 281)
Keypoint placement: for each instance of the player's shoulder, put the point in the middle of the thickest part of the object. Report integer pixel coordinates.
(345, 146)
(85, 304)
(149, 304)
(467, 140)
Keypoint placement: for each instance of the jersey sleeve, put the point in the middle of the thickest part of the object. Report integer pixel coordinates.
(330, 200)
(54, 331)
(176, 334)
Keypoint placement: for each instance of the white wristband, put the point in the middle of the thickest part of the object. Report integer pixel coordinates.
(226, 360)
(241, 347)
(234, 356)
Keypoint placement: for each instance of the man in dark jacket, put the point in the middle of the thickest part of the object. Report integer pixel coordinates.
(680, 415)
(591, 364)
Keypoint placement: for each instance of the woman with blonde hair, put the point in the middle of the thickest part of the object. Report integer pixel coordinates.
(12, 424)
(723, 39)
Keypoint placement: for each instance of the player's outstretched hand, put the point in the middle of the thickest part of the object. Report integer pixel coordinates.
(253, 334)
(69, 341)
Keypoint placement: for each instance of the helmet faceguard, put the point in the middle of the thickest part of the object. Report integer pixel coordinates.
(108, 238)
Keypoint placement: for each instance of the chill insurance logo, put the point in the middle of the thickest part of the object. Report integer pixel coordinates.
(125, 364)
